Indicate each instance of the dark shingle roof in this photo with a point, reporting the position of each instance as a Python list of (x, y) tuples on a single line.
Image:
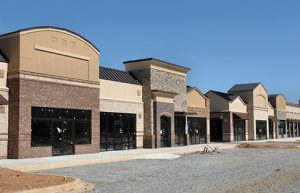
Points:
[(189, 88), (226, 96), (244, 87), (3, 58), (117, 75)]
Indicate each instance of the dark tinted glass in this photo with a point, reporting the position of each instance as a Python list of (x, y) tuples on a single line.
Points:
[(41, 133)]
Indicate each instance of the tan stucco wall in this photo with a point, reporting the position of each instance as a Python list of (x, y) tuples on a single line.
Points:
[(260, 97), (10, 45), (154, 65), (271, 111), (52, 52), (292, 112), (3, 74), (120, 91), (238, 106), (281, 102), (195, 99), (217, 104)]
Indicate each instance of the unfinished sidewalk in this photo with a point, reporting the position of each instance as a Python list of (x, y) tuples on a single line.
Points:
[(34, 164)]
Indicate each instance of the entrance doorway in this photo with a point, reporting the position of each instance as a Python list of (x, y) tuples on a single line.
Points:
[(180, 130), (239, 130), (271, 125), (197, 130), (165, 126), (117, 131), (261, 130), (63, 143), (216, 133)]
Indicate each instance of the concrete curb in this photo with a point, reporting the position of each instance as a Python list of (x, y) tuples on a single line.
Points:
[(72, 163), (77, 186)]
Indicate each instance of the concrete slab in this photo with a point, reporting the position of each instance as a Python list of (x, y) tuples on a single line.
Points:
[(34, 164)]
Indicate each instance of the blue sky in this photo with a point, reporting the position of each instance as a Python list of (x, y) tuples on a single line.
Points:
[(223, 42)]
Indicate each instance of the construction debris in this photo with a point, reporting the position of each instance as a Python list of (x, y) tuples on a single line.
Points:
[(211, 150)]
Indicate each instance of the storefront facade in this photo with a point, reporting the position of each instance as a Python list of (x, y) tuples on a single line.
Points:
[(164, 97), (56, 71), (228, 117), (121, 111), (256, 97), (198, 117)]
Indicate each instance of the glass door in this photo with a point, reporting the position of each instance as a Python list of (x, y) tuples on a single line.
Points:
[(164, 131), (62, 138)]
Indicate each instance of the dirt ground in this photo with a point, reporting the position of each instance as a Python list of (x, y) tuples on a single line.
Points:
[(12, 180), (271, 146)]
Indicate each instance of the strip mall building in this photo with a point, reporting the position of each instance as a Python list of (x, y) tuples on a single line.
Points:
[(56, 100)]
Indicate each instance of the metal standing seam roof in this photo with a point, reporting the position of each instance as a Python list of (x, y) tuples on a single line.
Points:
[(244, 87), (117, 75)]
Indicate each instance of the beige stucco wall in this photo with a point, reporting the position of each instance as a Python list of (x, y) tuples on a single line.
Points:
[(260, 97), (195, 99), (217, 104), (118, 97), (52, 52), (293, 112), (271, 111), (280, 103), (3, 130), (10, 45), (155, 65), (3, 74), (120, 91), (238, 105)]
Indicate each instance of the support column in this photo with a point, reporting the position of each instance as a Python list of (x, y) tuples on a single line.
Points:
[(246, 130), (208, 130), (187, 135), (228, 127), (3, 131)]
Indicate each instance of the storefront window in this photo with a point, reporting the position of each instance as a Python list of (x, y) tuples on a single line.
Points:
[(72, 126), (117, 131)]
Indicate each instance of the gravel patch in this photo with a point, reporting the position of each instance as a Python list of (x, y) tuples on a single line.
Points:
[(234, 170), (161, 156)]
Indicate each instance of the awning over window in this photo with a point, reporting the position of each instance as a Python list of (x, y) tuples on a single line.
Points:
[(244, 116)]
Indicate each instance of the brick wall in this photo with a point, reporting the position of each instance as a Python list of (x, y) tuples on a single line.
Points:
[(26, 93), (166, 109)]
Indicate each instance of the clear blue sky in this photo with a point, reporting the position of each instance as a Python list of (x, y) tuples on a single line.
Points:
[(223, 42)]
